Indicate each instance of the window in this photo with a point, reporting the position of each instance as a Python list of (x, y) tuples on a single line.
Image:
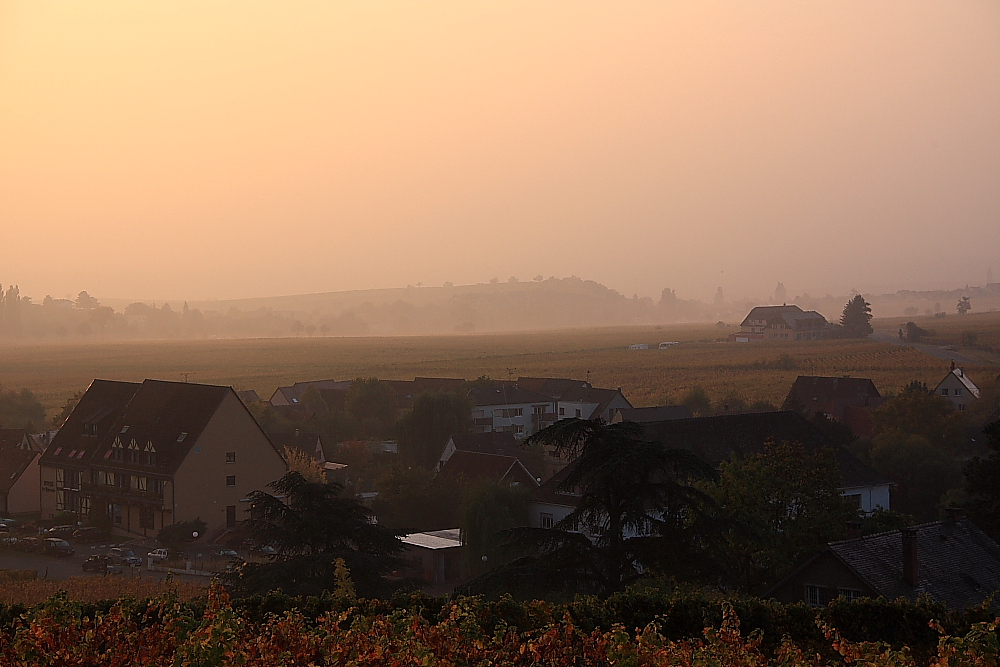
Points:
[(85, 505), (944, 392), (147, 518), (562, 412), (958, 392), (90, 430), (60, 500), (579, 413), (546, 520), (124, 430), (60, 478), (141, 483), (117, 452), (116, 513), (815, 596), (518, 428), (230, 480), (961, 408), (850, 594), (230, 457), (133, 452)]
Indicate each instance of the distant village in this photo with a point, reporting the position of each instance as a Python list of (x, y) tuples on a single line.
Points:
[(136, 458)]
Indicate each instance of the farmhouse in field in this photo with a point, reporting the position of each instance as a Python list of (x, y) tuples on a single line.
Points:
[(957, 388), (154, 453), (952, 561), (781, 323)]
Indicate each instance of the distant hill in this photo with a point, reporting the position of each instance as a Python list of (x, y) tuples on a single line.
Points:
[(487, 307)]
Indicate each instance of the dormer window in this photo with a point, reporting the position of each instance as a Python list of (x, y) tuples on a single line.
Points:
[(90, 430), (150, 452), (181, 437), (117, 451), (133, 452)]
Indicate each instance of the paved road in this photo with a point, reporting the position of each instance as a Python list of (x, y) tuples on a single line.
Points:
[(932, 350), (62, 568)]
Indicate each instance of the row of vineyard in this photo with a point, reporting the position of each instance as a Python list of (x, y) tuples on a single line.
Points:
[(419, 630)]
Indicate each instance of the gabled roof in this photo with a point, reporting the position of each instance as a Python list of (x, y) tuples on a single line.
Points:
[(554, 387), (959, 373), (494, 442), (248, 396), (652, 414), (14, 438), (830, 395), (166, 416), (785, 314), (717, 439), (98, 409), (476, 466), (549, 493), (956, 563), (13, 462), (506, 394)]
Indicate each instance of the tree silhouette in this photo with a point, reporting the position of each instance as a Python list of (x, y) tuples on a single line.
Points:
[(857, 318)]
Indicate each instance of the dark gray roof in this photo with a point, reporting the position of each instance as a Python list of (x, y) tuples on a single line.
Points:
[(554, 387), (655, 413), (956, 563), (154, 413), (717, 439), (830, 395), (506, 394), (494, 442)]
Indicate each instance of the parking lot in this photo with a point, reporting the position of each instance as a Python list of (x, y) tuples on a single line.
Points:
[(53, 567)]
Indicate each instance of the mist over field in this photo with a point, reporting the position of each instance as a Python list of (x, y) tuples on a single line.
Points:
[(169, 151)]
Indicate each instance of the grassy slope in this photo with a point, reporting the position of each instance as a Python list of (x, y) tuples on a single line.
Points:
[(647, 377)]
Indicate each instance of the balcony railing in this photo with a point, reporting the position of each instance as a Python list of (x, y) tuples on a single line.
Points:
[(120, 492)]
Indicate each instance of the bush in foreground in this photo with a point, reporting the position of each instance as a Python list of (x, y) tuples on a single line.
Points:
[(167, 632)]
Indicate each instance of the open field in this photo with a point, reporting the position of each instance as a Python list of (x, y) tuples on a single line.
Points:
[(647, 377)]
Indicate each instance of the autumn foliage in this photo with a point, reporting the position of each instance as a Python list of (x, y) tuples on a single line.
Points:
[(167, 632)]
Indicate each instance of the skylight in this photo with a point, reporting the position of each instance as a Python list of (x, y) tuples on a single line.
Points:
[(181, 437)]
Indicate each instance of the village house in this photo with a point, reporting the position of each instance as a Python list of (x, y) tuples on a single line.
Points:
[(720, 438), (19, 474), (155, 453), (957, 388), (951, 561), (845, 399), (508, 407), (781, 323), (577, 398)]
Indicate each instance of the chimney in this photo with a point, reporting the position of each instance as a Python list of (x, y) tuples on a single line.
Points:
[(952, 364), (910, 565)]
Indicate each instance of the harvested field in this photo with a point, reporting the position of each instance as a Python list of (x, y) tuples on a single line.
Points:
[(759, 371)]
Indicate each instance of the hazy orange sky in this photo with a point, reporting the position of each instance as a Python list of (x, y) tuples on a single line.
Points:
[(190, 149)]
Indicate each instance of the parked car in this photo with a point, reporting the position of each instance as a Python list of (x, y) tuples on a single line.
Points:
[(4, 528), (225, 554), (56, 546), (29, 544), (123, 556), (60, 531), (159, 555), (101, 564), (89, 534)]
